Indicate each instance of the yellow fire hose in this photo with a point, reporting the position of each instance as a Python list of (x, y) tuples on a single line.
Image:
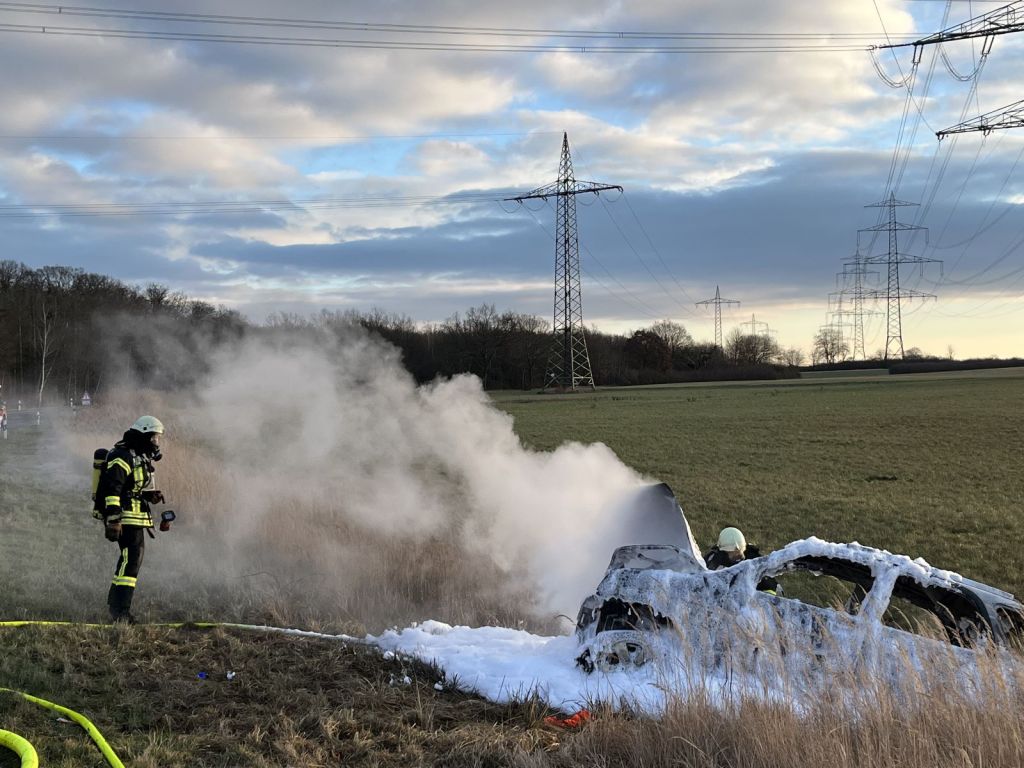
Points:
[(83, 721), (20, 747), (25, 750)]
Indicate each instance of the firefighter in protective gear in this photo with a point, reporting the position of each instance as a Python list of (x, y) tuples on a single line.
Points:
[(123, 496), (732, 548)]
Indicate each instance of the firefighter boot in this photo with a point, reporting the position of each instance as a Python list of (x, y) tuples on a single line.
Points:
[(119, 600)]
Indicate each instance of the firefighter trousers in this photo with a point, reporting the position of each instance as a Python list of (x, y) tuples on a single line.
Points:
[(132, 542)]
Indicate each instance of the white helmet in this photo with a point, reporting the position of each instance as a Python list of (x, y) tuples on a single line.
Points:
[(147, 424), (731, 540)]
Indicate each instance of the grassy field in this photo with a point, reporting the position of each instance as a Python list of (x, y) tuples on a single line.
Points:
[(928, 466), (924, 465)]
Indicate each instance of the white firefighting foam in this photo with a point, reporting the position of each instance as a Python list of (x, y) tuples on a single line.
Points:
[(507, 664)]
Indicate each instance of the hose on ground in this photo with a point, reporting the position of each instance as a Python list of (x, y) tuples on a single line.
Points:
[(92, 730), (20, 747), (27, 752)]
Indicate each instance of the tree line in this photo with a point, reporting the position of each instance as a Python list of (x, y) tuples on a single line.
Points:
[(64, 331)]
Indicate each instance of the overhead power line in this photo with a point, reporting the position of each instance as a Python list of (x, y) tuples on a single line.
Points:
[(429, 37), (268, 137), (433, 29), (626, 298), (409, 45), (45, 210)]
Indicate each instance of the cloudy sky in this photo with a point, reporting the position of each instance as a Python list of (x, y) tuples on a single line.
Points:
[(182, 143)]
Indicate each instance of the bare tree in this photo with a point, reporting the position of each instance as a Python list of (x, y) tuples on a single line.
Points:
[(794, 357), (44, 332), (829, 346), (751, 348), (673, 334)]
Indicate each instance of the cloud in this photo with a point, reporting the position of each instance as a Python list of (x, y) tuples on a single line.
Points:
[(742, 169)]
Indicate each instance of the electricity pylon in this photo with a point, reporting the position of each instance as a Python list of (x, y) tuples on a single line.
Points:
[(569, 362), (893, 293), (855, 267), (757, 327), (1011, 116), (718, 301), (837, 325), (1002, 21)]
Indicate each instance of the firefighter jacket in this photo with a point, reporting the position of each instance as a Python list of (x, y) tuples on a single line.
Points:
[(717, 559), (119, 493)]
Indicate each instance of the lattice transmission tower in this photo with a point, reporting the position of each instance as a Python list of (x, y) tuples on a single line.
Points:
[(717, 302), (842, 316), (853, 286), (569, 362), (1006, 20), (757, 327), (893, 293)]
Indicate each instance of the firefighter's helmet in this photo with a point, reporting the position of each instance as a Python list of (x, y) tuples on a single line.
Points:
[(731, 540), (148, 424)]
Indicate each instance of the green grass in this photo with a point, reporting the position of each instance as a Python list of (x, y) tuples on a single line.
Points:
[(929, 466)]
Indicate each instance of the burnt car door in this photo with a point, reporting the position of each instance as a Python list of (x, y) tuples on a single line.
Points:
[(926, 623), (818, 615)]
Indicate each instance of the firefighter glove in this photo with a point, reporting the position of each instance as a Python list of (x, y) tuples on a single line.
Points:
[(153, 497), (112, 530)]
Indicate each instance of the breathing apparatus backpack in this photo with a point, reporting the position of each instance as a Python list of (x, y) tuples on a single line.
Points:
[(99, 459)]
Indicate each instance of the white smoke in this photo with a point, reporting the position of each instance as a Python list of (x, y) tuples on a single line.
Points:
[(341, 426)]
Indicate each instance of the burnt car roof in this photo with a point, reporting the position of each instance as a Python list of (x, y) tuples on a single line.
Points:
[(657, 513), (647, 586)]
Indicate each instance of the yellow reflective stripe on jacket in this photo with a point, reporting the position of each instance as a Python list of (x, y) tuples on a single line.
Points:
[(116, 462), (128, 506), (141, 519)]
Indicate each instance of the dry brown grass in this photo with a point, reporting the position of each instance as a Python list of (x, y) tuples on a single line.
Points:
[(309, 702), (292, 702)]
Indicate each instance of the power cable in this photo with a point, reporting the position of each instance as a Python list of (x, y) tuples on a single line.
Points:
[(392, 45), (960, 192), (435, 29), (949, 66), (911, 78), (581, 163), (985, 224), (268, 137), (657, 253), (673, 298), (46, 210), (972, 280), (644, 307)]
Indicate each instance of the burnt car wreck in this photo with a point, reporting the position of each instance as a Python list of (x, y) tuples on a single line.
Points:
[(837, 604)]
